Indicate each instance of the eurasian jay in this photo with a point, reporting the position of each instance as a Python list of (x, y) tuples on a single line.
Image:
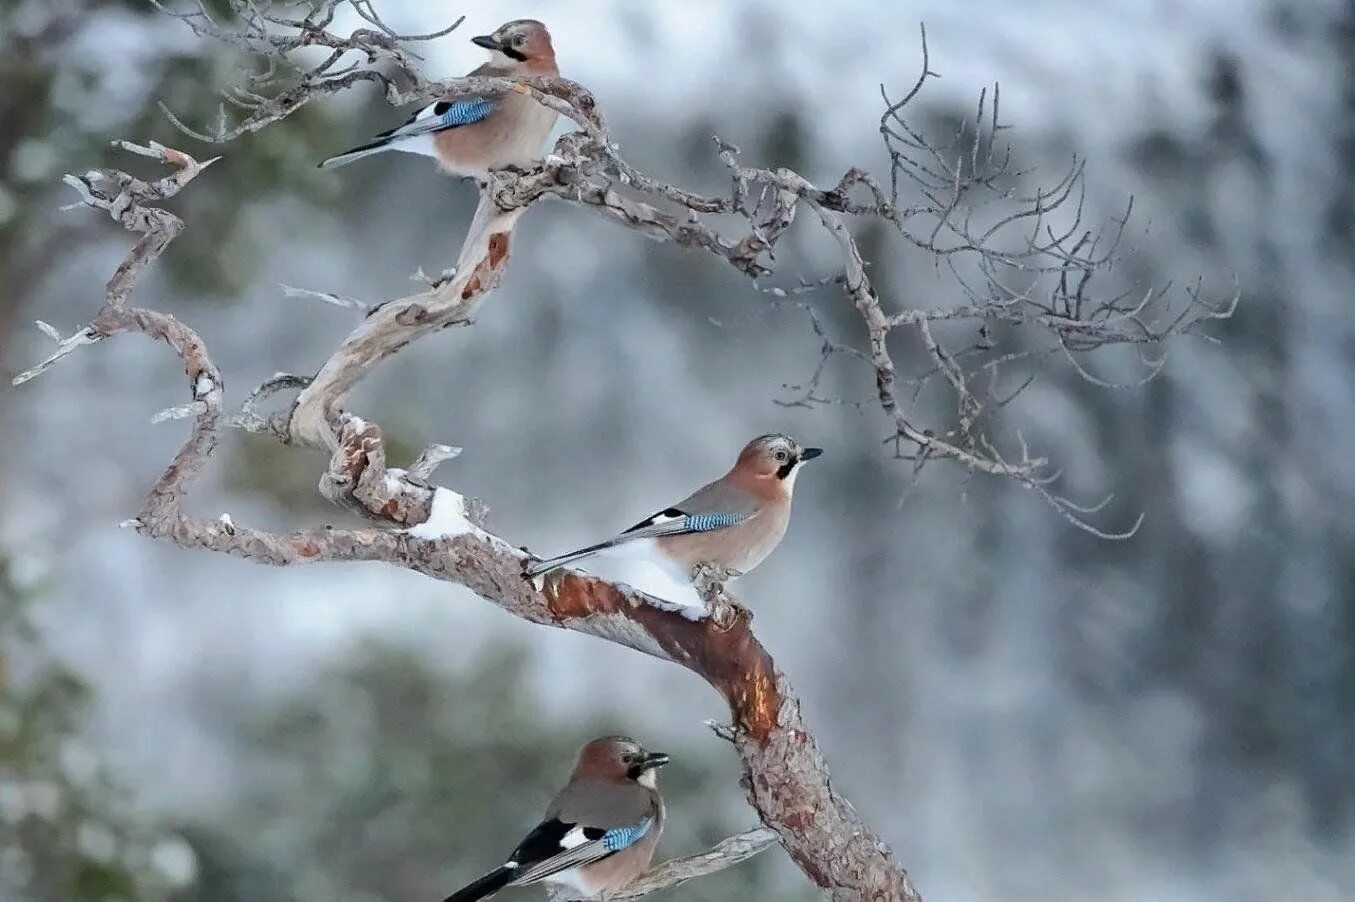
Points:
[(732, 524), (599, 833), (472, 135)]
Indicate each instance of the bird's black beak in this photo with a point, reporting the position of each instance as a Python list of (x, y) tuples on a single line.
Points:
[(810, 453), (486, 41), (653, 760)]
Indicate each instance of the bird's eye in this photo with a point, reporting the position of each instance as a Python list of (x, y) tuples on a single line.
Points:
[(519, 40), (781, 455)]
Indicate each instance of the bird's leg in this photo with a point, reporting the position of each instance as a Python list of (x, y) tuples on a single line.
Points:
[(721, 607)]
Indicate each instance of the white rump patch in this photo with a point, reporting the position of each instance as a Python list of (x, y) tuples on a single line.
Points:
[(573, 839), (640, 565), (419, 144), (571, 878)]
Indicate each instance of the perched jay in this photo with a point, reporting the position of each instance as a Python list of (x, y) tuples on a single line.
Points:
[(600, 831), (731, 524), (472, 135)]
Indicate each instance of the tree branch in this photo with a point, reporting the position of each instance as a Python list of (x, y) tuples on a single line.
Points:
[(785, 776), (677, 871), (1022, 261), (1030, 265)]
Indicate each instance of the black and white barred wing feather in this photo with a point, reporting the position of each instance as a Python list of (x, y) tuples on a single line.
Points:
[(582, 846), (551, 849), (714, 507), (419, 128)]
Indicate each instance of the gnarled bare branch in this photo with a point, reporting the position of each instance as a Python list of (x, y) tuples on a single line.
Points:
[(1024, 259), (443, 536)]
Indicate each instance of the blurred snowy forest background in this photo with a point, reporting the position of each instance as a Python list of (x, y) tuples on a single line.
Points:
[(1022, 710)]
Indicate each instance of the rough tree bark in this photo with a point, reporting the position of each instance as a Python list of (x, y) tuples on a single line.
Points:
[(437, 532)]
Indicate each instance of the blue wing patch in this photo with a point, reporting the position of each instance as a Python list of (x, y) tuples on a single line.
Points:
[(709, 522), (618, 838), (469, 110)]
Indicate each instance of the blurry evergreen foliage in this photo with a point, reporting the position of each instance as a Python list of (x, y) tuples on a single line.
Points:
[(61, 108), (66, 831), (387, 779), (59, 111)]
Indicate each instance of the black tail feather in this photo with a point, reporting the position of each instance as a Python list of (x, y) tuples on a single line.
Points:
[(536, 568), (354, 153), (487, 885)]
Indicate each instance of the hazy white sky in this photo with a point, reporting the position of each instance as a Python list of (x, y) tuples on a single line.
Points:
[(1097, 61)]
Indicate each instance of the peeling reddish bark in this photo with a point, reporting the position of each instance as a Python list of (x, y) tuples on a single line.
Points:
[(785, 776), (731, 660)]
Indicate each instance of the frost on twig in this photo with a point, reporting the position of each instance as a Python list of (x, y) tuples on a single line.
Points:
[(250, 420), (289, 76), (722, 730), (430, 458), (129, 201), (179, 412), (64, 346), (49, 330), (338, 300)]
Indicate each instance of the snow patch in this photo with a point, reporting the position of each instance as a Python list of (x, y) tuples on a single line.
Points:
[(395, 480), (688, 604), (446, 515)]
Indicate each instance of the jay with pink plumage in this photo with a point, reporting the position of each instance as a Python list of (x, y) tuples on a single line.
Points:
[(599, 833), (731, 524), (473, 135)]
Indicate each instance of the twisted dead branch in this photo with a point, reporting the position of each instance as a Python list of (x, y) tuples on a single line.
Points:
[(1025, 261), (443, 537)]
